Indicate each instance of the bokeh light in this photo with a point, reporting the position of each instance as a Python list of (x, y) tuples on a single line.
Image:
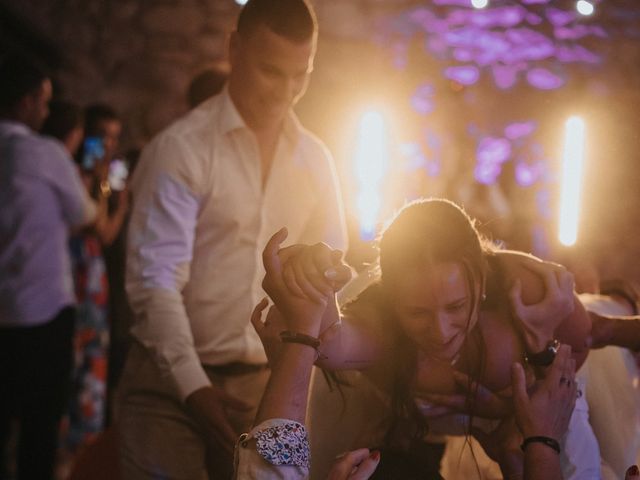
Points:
[(371, 163), (572, 167), (584, 7), (479, 3)]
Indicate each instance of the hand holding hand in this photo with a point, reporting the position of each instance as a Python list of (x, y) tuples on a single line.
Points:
[(302, 314), (315, 271)]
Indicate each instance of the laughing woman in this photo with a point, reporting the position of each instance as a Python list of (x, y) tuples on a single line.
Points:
[(448, 313)]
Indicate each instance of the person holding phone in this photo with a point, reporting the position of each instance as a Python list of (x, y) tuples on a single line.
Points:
[(87, 407)]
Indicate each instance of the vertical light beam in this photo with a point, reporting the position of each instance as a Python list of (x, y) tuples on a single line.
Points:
[(572, 167), (371, 160)]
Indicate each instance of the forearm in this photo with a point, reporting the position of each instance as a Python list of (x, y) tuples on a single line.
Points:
[(161, 326), (541, 463), (286, 393), (625, 332), (511, 465)]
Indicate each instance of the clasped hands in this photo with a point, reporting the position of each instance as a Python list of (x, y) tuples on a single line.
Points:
[(302, 281)]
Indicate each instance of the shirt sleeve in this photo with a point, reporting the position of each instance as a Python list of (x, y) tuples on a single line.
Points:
[(78, 207), (160, 249), (275, 449)]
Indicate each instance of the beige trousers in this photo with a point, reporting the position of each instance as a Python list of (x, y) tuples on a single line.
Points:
[(158, 437)]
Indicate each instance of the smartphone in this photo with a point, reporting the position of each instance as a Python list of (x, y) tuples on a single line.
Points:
[(118, 173), (92, 152)]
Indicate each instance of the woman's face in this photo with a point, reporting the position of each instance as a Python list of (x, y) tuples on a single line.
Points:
[(433, 304)]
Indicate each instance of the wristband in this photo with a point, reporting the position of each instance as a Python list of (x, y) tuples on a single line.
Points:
[(289, 336), (548, 441)]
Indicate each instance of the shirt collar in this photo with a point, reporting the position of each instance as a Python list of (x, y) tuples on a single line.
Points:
[(232, 120)]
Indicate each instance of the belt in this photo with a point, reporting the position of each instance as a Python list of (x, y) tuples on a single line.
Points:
[(236, 368)]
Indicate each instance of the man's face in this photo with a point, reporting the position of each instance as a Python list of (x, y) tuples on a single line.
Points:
[(38, 105), (269, 73)]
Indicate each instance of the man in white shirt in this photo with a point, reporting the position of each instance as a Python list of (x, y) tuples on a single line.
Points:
[(41, 199), (209, 191)]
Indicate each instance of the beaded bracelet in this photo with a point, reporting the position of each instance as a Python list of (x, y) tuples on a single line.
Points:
[(548, 441)]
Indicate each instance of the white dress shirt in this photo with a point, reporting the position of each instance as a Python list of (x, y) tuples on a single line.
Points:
[(41, 198), (200, 221)]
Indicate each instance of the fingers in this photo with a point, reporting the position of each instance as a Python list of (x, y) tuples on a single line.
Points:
[(515, 295), (367, 467), (355, 465), (311, 281), (519, 385), (256, 315), (338, 276), (290, 281), (270, 258)]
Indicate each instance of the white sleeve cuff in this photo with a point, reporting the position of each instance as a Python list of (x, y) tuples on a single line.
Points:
[(189, 377)]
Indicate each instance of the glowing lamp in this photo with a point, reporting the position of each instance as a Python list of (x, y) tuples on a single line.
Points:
[(479, 3), (572, 167), (241, 2), (371, 161), (584, 7)]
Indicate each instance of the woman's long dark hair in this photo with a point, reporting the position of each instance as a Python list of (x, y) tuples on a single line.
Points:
[(426, 232)]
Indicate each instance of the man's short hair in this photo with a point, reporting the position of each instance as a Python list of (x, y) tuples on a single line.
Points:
[(293, 19), (19, 77), (96, 114)]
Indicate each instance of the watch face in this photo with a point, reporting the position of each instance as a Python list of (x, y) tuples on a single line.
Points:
[(546, 356)]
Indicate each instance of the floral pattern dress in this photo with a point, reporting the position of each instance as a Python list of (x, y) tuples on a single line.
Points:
[(88, 388)]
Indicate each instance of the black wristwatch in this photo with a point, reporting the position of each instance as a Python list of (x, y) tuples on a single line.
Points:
[(546, 356)]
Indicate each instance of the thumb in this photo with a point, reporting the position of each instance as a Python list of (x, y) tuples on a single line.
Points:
[(515, 295), (270, 257), (367, 467)]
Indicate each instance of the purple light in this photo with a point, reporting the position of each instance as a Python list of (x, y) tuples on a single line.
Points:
[(466, 75), (487, 173), (526, 175), (543, 79), (534, 2), (463, 54), (422, 99), (560, 18), (504, 77), (516, 130), (505, 17), (533, 19), (576, 53), (493, 150)]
